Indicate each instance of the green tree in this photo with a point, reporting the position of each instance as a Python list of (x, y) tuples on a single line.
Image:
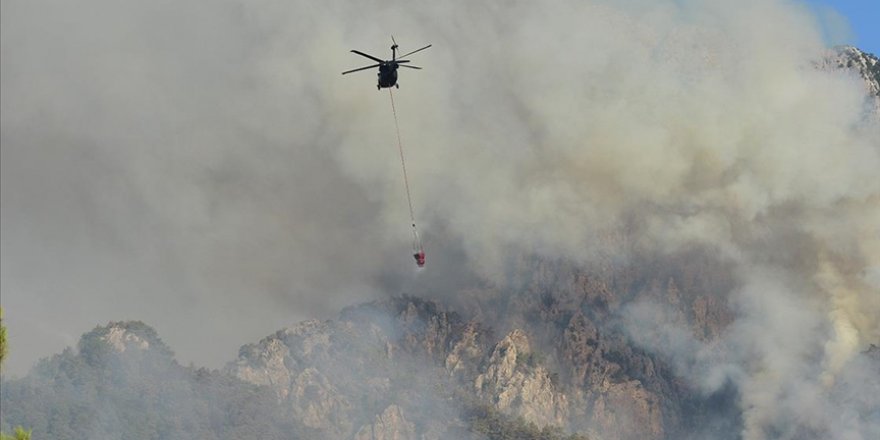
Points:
[(20, 434), (2, 339)]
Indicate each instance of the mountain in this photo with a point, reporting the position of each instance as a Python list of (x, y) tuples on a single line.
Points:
[(122, 382), (547, 356), (399, 368), (410, 367), (865, 65), (402, 368)]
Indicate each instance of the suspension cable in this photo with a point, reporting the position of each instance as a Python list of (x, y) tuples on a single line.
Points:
[(419, 250), (412, 216)]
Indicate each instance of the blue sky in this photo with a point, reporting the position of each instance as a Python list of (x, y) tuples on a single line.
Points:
[(861, 16)]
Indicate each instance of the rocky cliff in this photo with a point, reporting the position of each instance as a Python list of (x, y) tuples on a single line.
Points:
[(861, 64), (404, 368), (409, 368)]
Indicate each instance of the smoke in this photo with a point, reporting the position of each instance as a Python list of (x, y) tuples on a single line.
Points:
[(204, 168), (174, 163)]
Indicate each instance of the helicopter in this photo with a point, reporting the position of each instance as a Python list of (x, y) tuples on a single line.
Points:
[(387, 68)]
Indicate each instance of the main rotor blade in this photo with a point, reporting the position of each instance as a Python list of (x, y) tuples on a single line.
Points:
[(362, 68), (401, 61), (368, 56), (411, 67), (404, 56)]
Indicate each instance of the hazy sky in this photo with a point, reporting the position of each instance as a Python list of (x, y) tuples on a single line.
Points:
[(851, 22), (174, 162), (204, 167)]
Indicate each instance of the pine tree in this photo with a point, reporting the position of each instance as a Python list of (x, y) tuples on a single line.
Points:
[(2, 339), (20, 433)]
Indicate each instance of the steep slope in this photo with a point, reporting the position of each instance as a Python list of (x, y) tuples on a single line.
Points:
[(387, 367), (403, 368), (863, 64), (123, 383), (407, 365)]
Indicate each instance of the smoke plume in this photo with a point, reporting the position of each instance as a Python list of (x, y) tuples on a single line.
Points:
[(205, 168)]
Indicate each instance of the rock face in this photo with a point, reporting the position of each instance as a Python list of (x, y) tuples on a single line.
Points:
[(272, 363), (390, 425), (356, 377), (120, 338), (318, 404), (628, 411), (516, 383), (405, 368), (285, 362), (863, 64), (124, 383), (465, 354), (130, 346)]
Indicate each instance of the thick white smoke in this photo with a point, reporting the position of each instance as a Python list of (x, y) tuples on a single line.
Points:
[(690, 123), (213, 151)]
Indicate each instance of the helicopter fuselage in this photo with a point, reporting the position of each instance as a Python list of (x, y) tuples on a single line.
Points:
[(387, 75), (387, 68)]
